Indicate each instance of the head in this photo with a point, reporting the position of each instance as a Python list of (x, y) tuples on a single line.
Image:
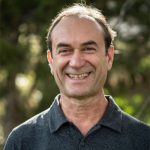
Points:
[(83, 10), (80, 41)]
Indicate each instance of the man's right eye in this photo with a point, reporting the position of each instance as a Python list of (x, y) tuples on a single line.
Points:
[(64, 51)]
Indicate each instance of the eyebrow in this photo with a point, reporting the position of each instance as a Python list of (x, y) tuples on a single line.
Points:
[(63, 45), (91, 42)]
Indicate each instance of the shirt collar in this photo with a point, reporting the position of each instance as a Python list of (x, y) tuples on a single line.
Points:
[(57, 117), (113, 116)]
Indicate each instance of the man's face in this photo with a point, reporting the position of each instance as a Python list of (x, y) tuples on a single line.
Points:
[(80, 62)]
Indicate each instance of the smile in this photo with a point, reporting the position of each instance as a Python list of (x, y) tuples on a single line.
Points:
[(78, 76)]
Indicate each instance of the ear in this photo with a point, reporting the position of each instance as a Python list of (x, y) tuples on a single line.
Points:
[(110, 57), (50, 60)]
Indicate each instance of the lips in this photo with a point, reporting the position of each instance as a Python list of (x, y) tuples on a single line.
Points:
[(78, 76)]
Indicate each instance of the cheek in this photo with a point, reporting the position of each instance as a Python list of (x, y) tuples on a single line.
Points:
[(59, 66), (99, 61), (101, 65)]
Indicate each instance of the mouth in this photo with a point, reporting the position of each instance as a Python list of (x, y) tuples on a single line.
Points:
[(78, 76)]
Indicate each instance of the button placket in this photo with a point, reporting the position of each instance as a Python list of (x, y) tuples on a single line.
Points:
[(82, 145)]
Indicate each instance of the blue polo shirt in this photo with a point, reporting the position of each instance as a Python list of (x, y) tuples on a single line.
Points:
[(50, 130)]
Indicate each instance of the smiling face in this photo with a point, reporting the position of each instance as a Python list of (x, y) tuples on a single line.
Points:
[(80, 63)]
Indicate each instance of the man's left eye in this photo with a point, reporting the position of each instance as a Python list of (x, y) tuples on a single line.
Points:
[(89, 49)]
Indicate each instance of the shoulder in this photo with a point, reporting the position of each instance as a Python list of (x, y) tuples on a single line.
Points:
[(38, 120), (137, 131), (131, 123), (30, 129)]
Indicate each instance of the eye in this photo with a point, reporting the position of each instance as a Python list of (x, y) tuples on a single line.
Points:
[(64, 51), (89, 49)]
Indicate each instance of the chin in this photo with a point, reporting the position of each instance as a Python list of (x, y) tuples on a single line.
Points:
[(79, 94)]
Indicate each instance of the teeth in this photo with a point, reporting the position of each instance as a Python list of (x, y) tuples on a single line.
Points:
[(78, 76)]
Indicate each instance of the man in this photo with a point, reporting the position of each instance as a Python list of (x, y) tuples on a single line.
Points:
[(81, 117)]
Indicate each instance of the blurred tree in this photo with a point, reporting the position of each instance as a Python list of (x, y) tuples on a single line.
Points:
[(133, 63), (26, 84)]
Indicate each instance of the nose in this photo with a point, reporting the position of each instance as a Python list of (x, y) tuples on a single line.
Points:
[(77, 60)]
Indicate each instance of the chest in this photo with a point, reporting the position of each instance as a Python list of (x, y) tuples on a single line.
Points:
[(71, 139)]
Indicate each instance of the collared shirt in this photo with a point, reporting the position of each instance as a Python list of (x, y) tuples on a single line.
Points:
[(50, 130)]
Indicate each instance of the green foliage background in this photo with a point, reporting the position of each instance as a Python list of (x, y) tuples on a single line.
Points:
[(26, 85)]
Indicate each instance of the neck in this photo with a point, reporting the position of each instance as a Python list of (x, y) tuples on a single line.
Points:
[(85, 113)]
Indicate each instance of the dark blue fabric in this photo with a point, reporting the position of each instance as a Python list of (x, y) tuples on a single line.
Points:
[(50, 130)]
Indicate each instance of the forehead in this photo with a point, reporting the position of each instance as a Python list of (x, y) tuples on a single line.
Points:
[(77, 28)]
